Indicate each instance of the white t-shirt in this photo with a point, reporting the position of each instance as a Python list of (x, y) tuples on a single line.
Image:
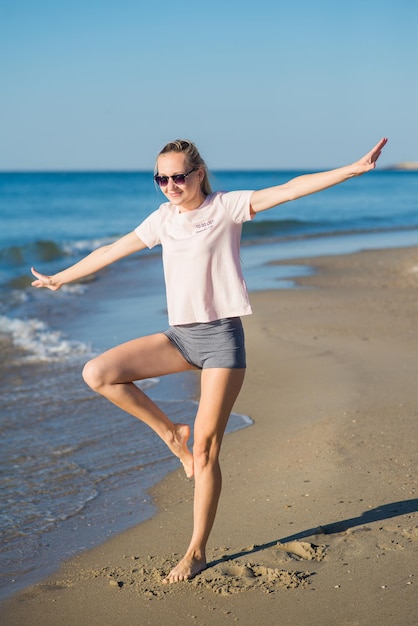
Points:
[(202, 268)]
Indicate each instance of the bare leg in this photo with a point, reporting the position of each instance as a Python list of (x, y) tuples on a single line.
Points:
[(220, 388), (112, 374)]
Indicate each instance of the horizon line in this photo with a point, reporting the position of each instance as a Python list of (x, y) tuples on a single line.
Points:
[(409, 166)]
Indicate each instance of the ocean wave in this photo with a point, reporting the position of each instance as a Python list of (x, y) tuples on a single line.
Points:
[(85, 246), (18, 255), (37, 342), (257, 231), (262, 228), (47, 251)]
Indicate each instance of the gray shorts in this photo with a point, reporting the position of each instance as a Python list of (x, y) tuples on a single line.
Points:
[(212, 344)]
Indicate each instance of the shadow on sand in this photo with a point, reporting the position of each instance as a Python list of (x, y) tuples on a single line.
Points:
[(386, 511)]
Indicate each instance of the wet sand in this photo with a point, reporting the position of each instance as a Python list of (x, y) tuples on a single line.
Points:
[(318, 520)]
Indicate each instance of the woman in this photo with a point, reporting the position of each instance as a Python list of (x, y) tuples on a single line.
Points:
[(206, 295)]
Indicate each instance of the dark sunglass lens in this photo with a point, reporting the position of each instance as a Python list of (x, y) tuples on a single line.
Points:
[(162, 181), (179, 179)]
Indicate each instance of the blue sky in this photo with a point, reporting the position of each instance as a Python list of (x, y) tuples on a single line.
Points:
[(103, 84)]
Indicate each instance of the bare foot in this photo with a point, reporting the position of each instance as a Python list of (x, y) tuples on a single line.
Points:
[(178, 446), (187, 569)]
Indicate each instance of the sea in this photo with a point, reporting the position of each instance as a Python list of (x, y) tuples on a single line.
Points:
[(75, 470)]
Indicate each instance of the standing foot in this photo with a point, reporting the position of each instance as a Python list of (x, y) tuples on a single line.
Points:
[(178, 446), (187, 569)]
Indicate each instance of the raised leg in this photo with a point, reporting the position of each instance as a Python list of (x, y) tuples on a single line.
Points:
[(112, 374), (220, 388)]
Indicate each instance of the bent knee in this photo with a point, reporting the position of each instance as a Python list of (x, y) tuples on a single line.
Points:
[(93, 375)]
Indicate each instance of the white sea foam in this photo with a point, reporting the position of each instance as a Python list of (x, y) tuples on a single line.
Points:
[(75, 288), (84, 246), (39, 342)]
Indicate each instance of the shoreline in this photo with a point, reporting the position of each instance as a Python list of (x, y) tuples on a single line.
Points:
[(332, 475)]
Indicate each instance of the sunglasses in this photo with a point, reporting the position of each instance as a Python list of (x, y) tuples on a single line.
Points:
[(178, 179)]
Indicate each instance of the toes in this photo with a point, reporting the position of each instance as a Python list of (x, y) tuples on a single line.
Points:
[(175, 578)]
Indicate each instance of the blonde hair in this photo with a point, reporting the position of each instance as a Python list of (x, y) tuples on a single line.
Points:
[(193, 157)]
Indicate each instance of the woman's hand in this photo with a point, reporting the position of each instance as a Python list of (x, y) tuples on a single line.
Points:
[(368, 162), (44, 281)]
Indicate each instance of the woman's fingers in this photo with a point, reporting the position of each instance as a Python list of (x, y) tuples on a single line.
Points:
[(42, 280)]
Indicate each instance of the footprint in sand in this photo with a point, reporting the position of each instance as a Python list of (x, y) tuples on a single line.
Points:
[(234, 577), (303, 549)]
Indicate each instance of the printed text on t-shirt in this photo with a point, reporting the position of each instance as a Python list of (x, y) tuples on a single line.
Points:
[(204, 226)]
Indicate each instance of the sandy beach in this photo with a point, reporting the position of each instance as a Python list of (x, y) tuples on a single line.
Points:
[(318, 519)]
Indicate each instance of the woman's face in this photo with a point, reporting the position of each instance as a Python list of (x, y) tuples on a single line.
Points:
[(188, 195)]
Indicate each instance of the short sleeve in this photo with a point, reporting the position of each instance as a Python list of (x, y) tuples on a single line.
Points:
[(238, 205), (148, 231)]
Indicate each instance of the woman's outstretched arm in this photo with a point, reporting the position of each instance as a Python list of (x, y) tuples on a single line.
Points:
[(312, 183), (95, 261)]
